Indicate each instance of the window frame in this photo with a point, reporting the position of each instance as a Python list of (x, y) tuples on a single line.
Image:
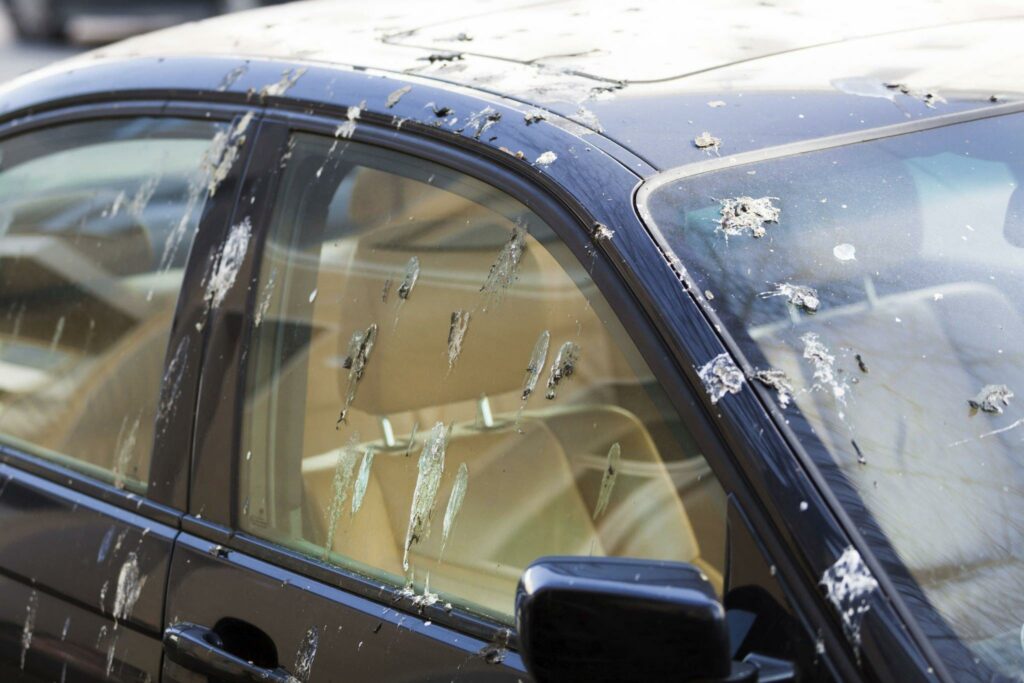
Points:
[(213, 515), (165, 499)]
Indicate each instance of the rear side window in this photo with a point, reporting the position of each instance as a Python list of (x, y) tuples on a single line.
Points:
[(437, 393), (96, 220)]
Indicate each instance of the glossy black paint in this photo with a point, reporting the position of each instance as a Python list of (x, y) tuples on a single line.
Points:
[(357, 639), (591, 181), (605, 619), (66, 551), (70, 642), (203, 651)]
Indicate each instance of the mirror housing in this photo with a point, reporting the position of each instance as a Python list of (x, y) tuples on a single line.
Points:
[(618, 619)]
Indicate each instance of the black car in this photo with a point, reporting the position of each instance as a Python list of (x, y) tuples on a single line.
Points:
[(621, 343)]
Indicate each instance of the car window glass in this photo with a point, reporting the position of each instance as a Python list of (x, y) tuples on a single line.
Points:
[(437, 394), (885, 296), (96, 219)]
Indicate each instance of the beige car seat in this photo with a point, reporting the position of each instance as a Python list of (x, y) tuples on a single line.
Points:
[(526, 495)]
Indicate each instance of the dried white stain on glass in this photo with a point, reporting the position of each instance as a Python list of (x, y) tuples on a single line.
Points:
[(824, 363), (129, 587), (562, 367), (538, 358), (505, 269), (848, 586), (428, 481), (779, 381), (845, 252), (344, 466), (458, 495), (994, 432), (457, 328), (227, 263), (265, 295), (546, 159), (29, 627), (395, 96), (362, 480), (412, 274), (992, 399), (707, 142), (720, 377), (305, 655), (802, 297), (348, 126), (746, 216), (409, 279), (289, 77), (124, 449), (359, 348), (608, 479)]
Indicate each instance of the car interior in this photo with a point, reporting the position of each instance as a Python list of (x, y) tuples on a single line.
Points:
[(535, 467)]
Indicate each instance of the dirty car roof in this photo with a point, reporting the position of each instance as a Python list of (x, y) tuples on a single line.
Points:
[(654, 75)]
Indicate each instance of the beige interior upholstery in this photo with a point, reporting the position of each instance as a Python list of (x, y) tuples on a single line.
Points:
[(533, 486)]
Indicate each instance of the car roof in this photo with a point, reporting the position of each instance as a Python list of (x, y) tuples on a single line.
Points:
[(652, 76)]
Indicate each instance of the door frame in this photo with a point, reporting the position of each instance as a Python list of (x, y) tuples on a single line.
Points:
[(213, 515), (166, 496)]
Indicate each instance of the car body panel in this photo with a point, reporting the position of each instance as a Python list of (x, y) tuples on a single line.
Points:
[(84, 583), (368, 640), (593, 180), (785, 73)]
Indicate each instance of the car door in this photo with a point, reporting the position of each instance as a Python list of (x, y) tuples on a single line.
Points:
[(99, 209), (413, 388)]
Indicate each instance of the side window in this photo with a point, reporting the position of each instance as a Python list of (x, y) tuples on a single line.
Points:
[(437, 394), (96, 220)]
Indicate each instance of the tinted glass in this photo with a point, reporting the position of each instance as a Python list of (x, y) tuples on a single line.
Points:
[(96, 220), (889, 293), (437, 393)]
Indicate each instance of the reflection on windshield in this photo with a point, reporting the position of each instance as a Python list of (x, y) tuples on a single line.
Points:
[(887, 300)]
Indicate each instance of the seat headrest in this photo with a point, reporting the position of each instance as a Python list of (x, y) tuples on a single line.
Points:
[(456, 241)]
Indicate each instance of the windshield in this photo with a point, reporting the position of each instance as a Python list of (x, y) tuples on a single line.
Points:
[(885, 280)]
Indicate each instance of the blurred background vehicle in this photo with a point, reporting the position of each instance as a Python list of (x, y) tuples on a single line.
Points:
[(92, 22), (34, 33)]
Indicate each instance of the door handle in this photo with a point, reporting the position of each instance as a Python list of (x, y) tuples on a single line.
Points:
[(200, 649)]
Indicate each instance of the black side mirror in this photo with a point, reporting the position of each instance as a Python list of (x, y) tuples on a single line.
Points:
[(602, 619)]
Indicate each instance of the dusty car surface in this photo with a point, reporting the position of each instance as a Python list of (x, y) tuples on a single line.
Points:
[(420, 342)]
